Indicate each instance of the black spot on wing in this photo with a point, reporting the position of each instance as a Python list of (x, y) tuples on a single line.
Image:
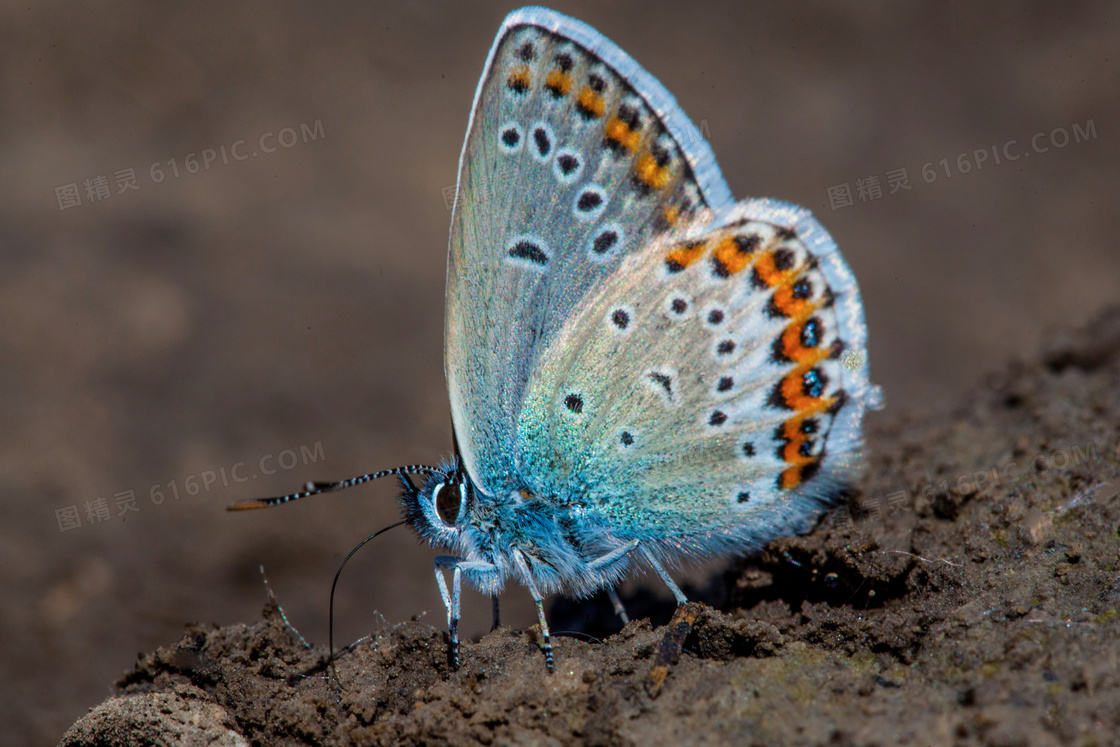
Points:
[(568, 164), (542, 141), (526, 52), (588, 201), (665, 381), (604, 242), (527, 250)]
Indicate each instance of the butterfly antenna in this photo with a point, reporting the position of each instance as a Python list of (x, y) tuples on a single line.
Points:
[(315, 488), (330, 627)]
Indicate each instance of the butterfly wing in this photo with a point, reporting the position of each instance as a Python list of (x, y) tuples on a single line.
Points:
[(708, 396), (575, 158)]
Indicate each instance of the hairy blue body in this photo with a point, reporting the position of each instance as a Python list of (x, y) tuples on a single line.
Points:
[(563, 548)]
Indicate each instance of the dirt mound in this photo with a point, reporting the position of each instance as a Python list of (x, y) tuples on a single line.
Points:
[(968, 594)]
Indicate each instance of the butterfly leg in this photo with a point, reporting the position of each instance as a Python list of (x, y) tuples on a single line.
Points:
[(451, 601), (497, 613), (523, 566), (657, 567), (607, 559), (612, 556), (617, 604)]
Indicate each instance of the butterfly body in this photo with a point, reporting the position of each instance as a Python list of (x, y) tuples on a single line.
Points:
[(557, 538)]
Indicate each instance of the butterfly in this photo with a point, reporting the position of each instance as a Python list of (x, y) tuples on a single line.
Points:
[(641, 369)]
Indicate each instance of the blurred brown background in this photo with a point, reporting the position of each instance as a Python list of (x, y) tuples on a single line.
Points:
[(292, 302)]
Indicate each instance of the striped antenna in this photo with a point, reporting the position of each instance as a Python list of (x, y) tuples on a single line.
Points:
[(314, 488)]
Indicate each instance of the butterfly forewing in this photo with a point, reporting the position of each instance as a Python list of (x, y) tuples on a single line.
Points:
[(575, 159)]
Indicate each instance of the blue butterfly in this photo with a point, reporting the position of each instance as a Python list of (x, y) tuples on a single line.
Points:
[(641, 370)]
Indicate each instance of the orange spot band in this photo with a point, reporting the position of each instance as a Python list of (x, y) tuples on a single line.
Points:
[(728, 254), (652, 175), (791, 341), (558, 82), (590, 102), (619, 132), (769, 273), (685, 254), (520, 78), (793, 476), (789, 304), (793, 388)]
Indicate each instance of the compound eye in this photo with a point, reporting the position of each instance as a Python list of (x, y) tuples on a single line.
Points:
[(447, 499)]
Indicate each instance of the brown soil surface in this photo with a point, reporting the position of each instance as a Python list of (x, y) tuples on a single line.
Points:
[(969, 594), (158, 341)]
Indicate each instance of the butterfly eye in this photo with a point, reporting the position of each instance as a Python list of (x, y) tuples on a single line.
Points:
[(448, 500)]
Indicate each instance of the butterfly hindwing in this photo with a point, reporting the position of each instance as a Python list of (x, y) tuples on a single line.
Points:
[(708, 396), (575, 159)]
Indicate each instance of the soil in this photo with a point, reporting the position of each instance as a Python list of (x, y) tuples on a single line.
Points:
[(967, 594), (232, 330)]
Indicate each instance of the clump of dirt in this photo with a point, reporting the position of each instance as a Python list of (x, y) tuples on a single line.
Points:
[(967, 594)]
